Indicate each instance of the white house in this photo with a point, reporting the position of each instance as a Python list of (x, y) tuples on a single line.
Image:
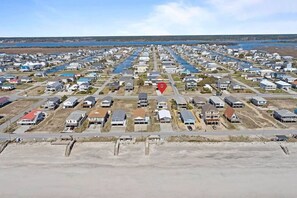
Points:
[(267, 85), (283, 85), (70, 102)]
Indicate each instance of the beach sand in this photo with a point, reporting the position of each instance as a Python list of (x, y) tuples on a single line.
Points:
[(171, 170)]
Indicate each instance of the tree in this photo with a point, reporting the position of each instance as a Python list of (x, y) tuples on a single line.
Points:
[(241, 56), (140, 82), (64, 98)]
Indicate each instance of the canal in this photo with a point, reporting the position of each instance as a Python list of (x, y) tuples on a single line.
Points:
[(128, 62), (182, 61)]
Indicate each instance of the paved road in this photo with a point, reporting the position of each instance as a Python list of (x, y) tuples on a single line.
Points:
[(175, 90), (104, 85), (155, 60), (44, 136)]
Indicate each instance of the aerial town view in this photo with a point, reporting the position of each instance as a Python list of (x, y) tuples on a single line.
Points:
[(176, 102)]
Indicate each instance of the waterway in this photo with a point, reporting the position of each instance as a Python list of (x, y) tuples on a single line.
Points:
[(127, 63), (247, 45), (182, 61)]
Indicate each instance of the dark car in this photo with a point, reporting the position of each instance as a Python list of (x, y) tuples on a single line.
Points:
[(190, 128)]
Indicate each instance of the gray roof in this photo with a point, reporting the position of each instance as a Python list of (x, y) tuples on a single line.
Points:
[(90, 98), (161, 99), (187, 115), (72, 99), (285, 113), (180, 100), (208, 107), (259, 98), (107, 98), (75, 115), (142, 96), (198, 99), (232, 99), (53, 99), (216, 99), (118, 115)]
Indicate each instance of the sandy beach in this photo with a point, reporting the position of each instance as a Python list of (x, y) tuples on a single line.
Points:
[(171, 170)]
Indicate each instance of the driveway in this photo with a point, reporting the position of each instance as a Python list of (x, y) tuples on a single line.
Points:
[(165, 127), (93, 129), (117, 129)]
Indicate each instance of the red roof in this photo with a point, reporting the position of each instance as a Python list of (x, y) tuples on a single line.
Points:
[(31, 115), (229, 112)]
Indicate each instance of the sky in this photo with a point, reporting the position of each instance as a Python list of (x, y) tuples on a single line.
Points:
[(39, 18)]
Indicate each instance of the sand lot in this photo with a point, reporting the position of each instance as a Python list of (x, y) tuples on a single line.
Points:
[(171, 170)]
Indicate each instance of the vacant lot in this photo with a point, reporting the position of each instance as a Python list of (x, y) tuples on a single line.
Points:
[(252, 118), (289, 104), (16, 107), (37, 91), (55, 122), (150, 90)]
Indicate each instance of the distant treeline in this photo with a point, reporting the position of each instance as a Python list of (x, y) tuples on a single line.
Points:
[(280, 37)]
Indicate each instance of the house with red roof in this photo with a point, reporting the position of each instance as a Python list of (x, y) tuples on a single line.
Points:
[(230, 115), (32, 118)]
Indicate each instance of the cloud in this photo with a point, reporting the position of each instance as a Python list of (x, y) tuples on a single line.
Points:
[(216, 17), (172, 17)]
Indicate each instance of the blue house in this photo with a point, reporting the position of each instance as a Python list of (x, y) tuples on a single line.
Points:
[(83, 80), (25, 68)]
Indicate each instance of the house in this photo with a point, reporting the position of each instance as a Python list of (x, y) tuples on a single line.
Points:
[(52, 103), (32, 118), (216, 101), (75, 119), (267, 85), (54, 87), (114, 86), (25, 68), (4, 101), (15, 81), (40, 74), (233, 102), (210, 114), (106, 101), (198, 101), (129, 84), (98, 116), (84, 87), (285, 115), (236, 86), (3, 68), (181, 102), (7, 86), (89, 102), (140, 117), (84, 80), (26, 79), (70, 102), (164, 116), (74, 66), (128, 73), (118, 118), (142, 100), (190, 84), (258, 101), (283, 85), (162, 102), (230, 115), (187, 117), (223, 83)]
